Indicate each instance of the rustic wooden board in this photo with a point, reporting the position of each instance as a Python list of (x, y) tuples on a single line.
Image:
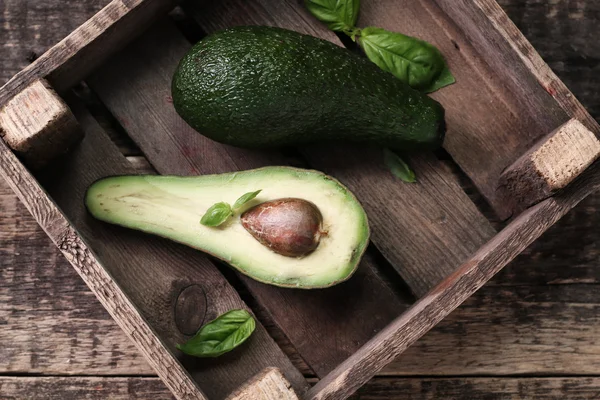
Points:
[(139, 264), (136, 87), (480, 388), (28, 28), (423, 230), (70, 60), (501, 44), (508, 109), (444, 298), (112, 297)]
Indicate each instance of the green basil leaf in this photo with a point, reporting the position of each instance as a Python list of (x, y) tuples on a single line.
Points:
[(411, 60), (445, 79), (339, 15), (245, 198), (398, 167), (221, 335), (216, 214)]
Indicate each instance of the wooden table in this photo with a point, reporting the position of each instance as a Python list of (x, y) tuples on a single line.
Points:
[(532, 332)]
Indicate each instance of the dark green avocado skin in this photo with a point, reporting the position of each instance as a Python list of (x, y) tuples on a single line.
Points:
[(264, 87)]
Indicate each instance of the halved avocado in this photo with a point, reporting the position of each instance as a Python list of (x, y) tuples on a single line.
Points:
[(172, 207)]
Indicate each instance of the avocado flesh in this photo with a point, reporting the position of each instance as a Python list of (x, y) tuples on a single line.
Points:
[(172, 207), (262, 87)]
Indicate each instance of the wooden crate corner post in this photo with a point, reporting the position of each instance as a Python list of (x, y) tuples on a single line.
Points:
[(550, 165), (38, 125), (269, 384)]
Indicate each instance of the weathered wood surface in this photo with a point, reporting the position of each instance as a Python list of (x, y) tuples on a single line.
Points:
[(517, 99), (69, 61), (38, 125), (549, 166), (269, 384), (95, 275), (565, 34), (486, 388), (449, 294)]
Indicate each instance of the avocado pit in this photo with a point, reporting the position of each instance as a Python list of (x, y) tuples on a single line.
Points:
[(291, 227)]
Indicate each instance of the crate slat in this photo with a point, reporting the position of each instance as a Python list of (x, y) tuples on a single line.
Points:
[(444, 298), (100, 281), (71, 59), (326, 326), (156, 272), (513, 97), (425, 230)]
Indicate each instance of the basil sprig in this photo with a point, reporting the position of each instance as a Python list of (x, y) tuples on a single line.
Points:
[(398, 167), (413, 61), (339, 15), (245, 198), (221, 335), (216, 214), (220, 212)]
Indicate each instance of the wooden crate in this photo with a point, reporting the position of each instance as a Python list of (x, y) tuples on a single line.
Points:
[(514, 131)]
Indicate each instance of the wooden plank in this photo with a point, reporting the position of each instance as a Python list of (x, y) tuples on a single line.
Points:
[(89, 45), (125, 388), (481, 388), (98, 279), (90, 388), (270, 384), (136, 88), (424, 230), (155, 272), (550, 165), (564, 34), (506, 33), (38, 125), (512, 330), (28, 28), (445, 297), (507, 108), (500, 43), (51, 322)]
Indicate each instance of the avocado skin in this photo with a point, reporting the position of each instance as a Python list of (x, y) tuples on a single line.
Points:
[(264, 87)]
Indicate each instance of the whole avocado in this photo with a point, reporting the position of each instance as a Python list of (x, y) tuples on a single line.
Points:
[(264, 87)]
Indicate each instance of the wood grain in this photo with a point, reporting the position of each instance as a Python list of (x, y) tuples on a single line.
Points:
[(269, 384), (480, 388), (89, 45), (154, 272), (564, 32), (38, 125), (508, 110), (136, 88), (29, 28), (84, 388), (98, 279), (423, 230), (444, 298), (550, 165)]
